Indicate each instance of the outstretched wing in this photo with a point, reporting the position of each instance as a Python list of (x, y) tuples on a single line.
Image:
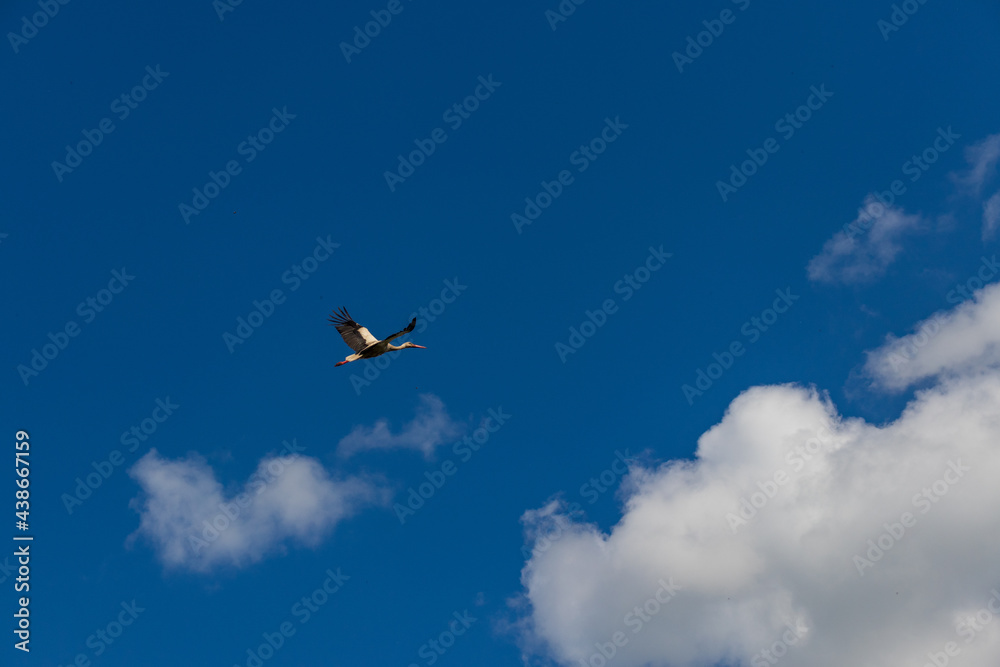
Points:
[(407, 330), (356, 336)]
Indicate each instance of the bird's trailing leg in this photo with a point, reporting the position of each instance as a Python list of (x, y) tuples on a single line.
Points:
[(348, 359)]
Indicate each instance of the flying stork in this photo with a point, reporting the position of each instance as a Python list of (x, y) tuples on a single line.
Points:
[(364, 344)]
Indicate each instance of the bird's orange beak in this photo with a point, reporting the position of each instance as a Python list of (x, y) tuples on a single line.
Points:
[(420, 346)]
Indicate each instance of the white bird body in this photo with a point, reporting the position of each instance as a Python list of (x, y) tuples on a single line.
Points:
[(364, 344)]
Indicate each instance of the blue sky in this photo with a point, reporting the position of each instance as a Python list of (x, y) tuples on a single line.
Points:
[(640, 266)]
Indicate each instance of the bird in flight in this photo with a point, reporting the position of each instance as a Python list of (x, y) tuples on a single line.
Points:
[(364, 344)]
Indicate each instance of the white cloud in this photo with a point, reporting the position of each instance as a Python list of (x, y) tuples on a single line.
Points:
[(991, 216), (193, 524), (787, 580), (963, 341), (430, 428), (863, 252), (982, 157)]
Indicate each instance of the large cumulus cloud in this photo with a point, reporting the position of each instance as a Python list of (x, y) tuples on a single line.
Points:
[(797, 536)]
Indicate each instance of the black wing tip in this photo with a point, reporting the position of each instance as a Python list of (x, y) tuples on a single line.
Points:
[(341, 316)]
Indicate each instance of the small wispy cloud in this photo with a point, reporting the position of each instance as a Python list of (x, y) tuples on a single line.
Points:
[(965, 340), (982, 158), (991, 216), (193, 524), (863, 251), (429, 428)]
